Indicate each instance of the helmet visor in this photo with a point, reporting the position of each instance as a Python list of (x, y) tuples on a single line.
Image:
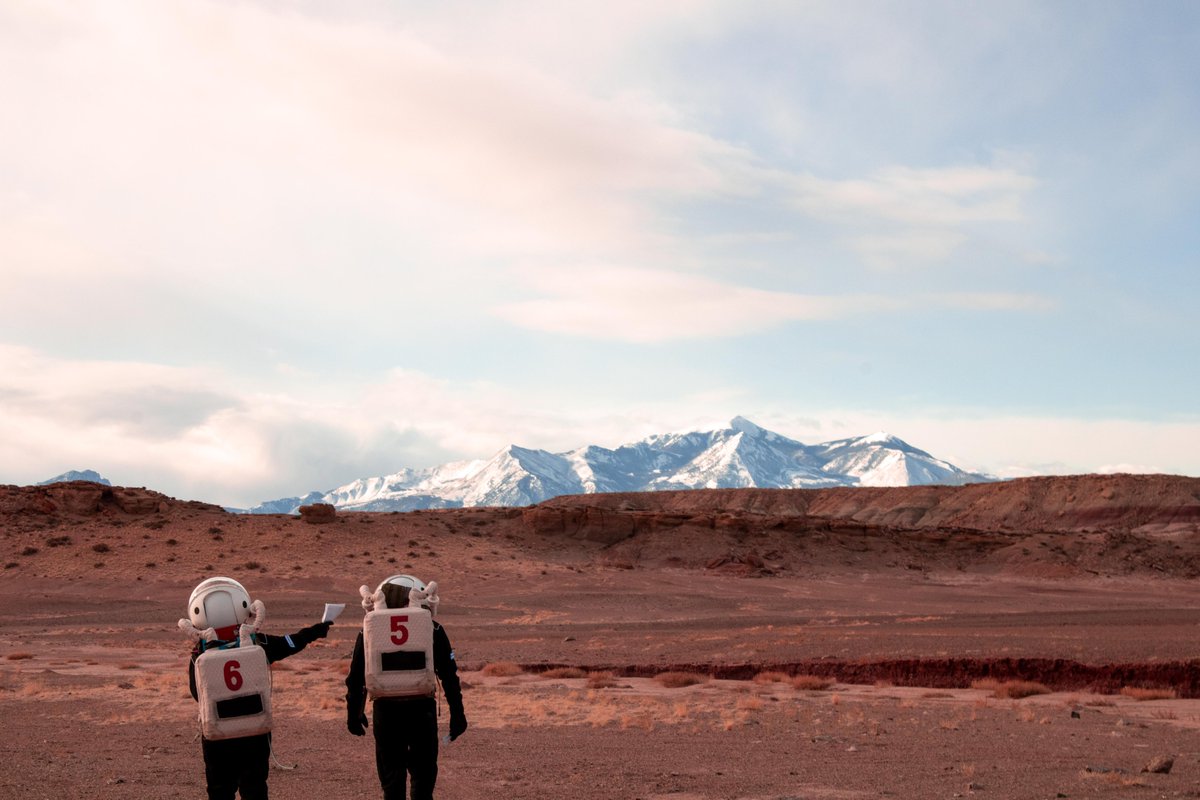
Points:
[(220, 611)]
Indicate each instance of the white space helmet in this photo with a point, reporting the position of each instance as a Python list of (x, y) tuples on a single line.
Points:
[(219, 603), (409, 584)]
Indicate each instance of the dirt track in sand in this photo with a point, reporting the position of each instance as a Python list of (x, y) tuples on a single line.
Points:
[(92, 669)]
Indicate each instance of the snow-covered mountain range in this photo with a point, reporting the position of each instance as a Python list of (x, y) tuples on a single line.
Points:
[(741, 455)]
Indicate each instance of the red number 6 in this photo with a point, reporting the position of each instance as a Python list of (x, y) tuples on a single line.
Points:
[(398, 627), (233, 678)]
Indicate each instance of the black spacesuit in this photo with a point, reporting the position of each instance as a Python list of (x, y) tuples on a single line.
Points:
[(222, 619), (406, 740), (232, 765)]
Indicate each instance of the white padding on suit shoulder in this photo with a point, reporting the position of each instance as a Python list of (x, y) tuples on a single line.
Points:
[(258, 615), (194, 633)]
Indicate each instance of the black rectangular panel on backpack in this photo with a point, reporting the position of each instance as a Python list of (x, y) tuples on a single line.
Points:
[(402, 660), (242, 706)]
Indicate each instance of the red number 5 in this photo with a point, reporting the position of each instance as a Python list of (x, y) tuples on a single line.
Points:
[(398, 627), (233, 678)]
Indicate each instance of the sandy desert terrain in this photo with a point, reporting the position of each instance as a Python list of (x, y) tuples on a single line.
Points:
[(832, 644)]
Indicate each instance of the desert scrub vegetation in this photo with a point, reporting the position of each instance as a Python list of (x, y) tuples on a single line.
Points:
[(563, 672), (811, 683), (1012, 690), (750, 704), (601, 680), (772, 677), (502, 669), (1111, 777), (679, 680), (1141, 693)]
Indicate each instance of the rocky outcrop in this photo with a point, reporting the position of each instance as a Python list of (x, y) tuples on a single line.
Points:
[(1159, 764), (318, 513), (1043, 527), (82, 499), (587, 523), (1077, 503), (739, 563)]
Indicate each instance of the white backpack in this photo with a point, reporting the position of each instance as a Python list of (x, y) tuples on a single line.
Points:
[(398, 647), (234, 690)]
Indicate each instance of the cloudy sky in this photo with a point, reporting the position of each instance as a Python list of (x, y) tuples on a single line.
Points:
[(251, 249)]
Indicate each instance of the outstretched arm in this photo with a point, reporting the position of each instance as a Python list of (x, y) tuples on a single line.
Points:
[(280, 647)]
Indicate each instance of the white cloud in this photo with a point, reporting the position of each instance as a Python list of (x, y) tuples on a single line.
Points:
[(923, 247), (39, 247), (991, 301), (211, 114), (237, 162), (200, 152), (945, 196), (1009, 445), (903, 217), (242, 122), (655, 306), (204, 434)]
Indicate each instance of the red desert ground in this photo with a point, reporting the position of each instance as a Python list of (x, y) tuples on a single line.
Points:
[(1036, 638)]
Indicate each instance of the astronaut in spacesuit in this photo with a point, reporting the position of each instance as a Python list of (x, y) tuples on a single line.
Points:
[(398, 659), (230, 676)]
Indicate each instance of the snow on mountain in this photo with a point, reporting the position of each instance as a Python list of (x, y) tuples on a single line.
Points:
[(742, 455), (883, 460), (518, 475), (77, 475), (409, 489)]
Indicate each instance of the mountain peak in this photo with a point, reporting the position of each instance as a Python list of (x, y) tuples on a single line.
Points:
[(744, 425), (879, 437)]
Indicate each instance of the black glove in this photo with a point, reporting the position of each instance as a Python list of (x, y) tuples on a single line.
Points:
[(320, 630), (357, 724), (458, 724)]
